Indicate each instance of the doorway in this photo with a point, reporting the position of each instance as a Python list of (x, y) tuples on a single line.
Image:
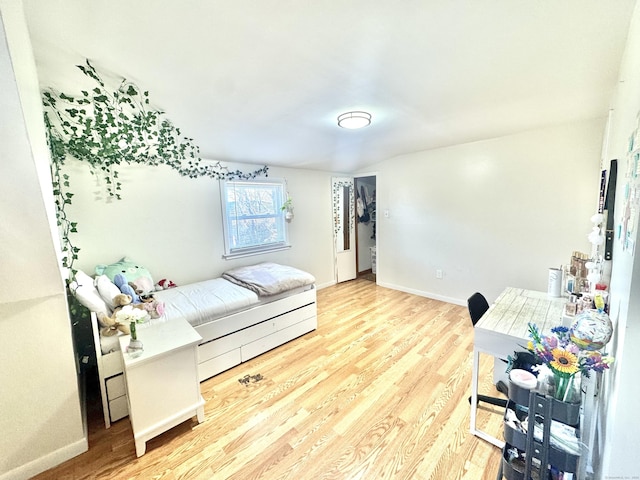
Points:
[(344, 226), (366, 247)]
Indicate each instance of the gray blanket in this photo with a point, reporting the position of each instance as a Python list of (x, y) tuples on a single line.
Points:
[(269, 278)]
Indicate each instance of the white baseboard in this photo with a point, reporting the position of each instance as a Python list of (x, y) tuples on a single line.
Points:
[(50, 460), (325, 285), (435, 296)]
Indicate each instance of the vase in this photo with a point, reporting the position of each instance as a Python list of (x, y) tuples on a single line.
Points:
[(567, 387), (135, 348)]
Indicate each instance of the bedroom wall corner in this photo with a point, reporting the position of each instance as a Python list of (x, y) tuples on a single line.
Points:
[(41, 421), (621, 389)]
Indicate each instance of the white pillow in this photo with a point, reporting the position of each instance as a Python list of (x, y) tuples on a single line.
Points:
[(87, 294), (107, 290)]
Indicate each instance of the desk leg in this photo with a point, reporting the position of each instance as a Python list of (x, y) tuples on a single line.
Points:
[(474, 403), (474, 390)]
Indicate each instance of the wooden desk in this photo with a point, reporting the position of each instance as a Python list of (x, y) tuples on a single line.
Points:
[(504, 329)]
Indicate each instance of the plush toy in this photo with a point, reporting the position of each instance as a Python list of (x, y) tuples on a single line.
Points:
[(123, 316), (139, 291), (164, 284), (153, 307), (132, 272), (111, 324), (121, 282)]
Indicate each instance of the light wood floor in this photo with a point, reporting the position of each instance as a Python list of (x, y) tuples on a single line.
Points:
[(379, 391)]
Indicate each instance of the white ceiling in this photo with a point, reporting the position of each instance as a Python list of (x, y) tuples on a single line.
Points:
[(263, 81)]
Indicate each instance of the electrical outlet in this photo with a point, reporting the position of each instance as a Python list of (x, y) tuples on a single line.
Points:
[(439, 274)]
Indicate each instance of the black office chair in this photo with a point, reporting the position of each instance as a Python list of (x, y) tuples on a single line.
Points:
[(478, 305)]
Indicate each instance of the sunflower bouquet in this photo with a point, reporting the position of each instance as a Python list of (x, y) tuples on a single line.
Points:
[(564, 358)]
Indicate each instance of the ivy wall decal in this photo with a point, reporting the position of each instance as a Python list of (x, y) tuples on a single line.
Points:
[(107, 128), (337, 208)]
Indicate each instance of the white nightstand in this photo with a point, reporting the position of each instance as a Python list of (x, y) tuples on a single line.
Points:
[(162, 384)]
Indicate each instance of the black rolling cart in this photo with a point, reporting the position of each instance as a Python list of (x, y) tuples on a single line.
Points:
[(530, 456)]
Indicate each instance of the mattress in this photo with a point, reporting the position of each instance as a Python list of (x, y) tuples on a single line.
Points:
[(202, 302)]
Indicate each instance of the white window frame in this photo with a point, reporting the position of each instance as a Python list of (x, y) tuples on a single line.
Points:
[(230, 216)]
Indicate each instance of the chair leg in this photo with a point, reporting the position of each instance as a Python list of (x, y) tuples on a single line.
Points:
[(502, 388), (499, 402)]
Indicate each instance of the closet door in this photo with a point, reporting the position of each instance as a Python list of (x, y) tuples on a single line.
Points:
[(344, 231)]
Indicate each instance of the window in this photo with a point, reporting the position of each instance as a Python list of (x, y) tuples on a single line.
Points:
[(253, 217)]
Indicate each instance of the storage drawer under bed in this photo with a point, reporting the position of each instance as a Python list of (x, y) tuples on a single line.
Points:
[(112, 364), (227, 352), (214, 348)]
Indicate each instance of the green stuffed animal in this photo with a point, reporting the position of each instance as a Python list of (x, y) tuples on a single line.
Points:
[(133, 272)]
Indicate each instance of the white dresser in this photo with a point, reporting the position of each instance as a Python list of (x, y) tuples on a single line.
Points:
[(162, 384)]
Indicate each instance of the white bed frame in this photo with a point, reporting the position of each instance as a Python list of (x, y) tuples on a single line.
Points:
[(226, 342)]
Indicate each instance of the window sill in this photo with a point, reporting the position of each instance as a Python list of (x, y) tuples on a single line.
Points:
[(251, 253)]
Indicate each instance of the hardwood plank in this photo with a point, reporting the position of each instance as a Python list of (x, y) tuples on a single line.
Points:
[(380, 391)]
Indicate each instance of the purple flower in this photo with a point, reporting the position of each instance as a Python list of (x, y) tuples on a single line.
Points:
[(573, 348)]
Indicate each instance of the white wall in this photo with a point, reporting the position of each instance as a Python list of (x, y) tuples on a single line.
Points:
[(172, 225), (41, 418), (489, 214), (622, 389)]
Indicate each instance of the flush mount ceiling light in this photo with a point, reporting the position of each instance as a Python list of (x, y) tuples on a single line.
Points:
[(353, 120)]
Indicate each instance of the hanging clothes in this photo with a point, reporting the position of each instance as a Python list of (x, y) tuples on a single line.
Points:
[(361, 206)]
